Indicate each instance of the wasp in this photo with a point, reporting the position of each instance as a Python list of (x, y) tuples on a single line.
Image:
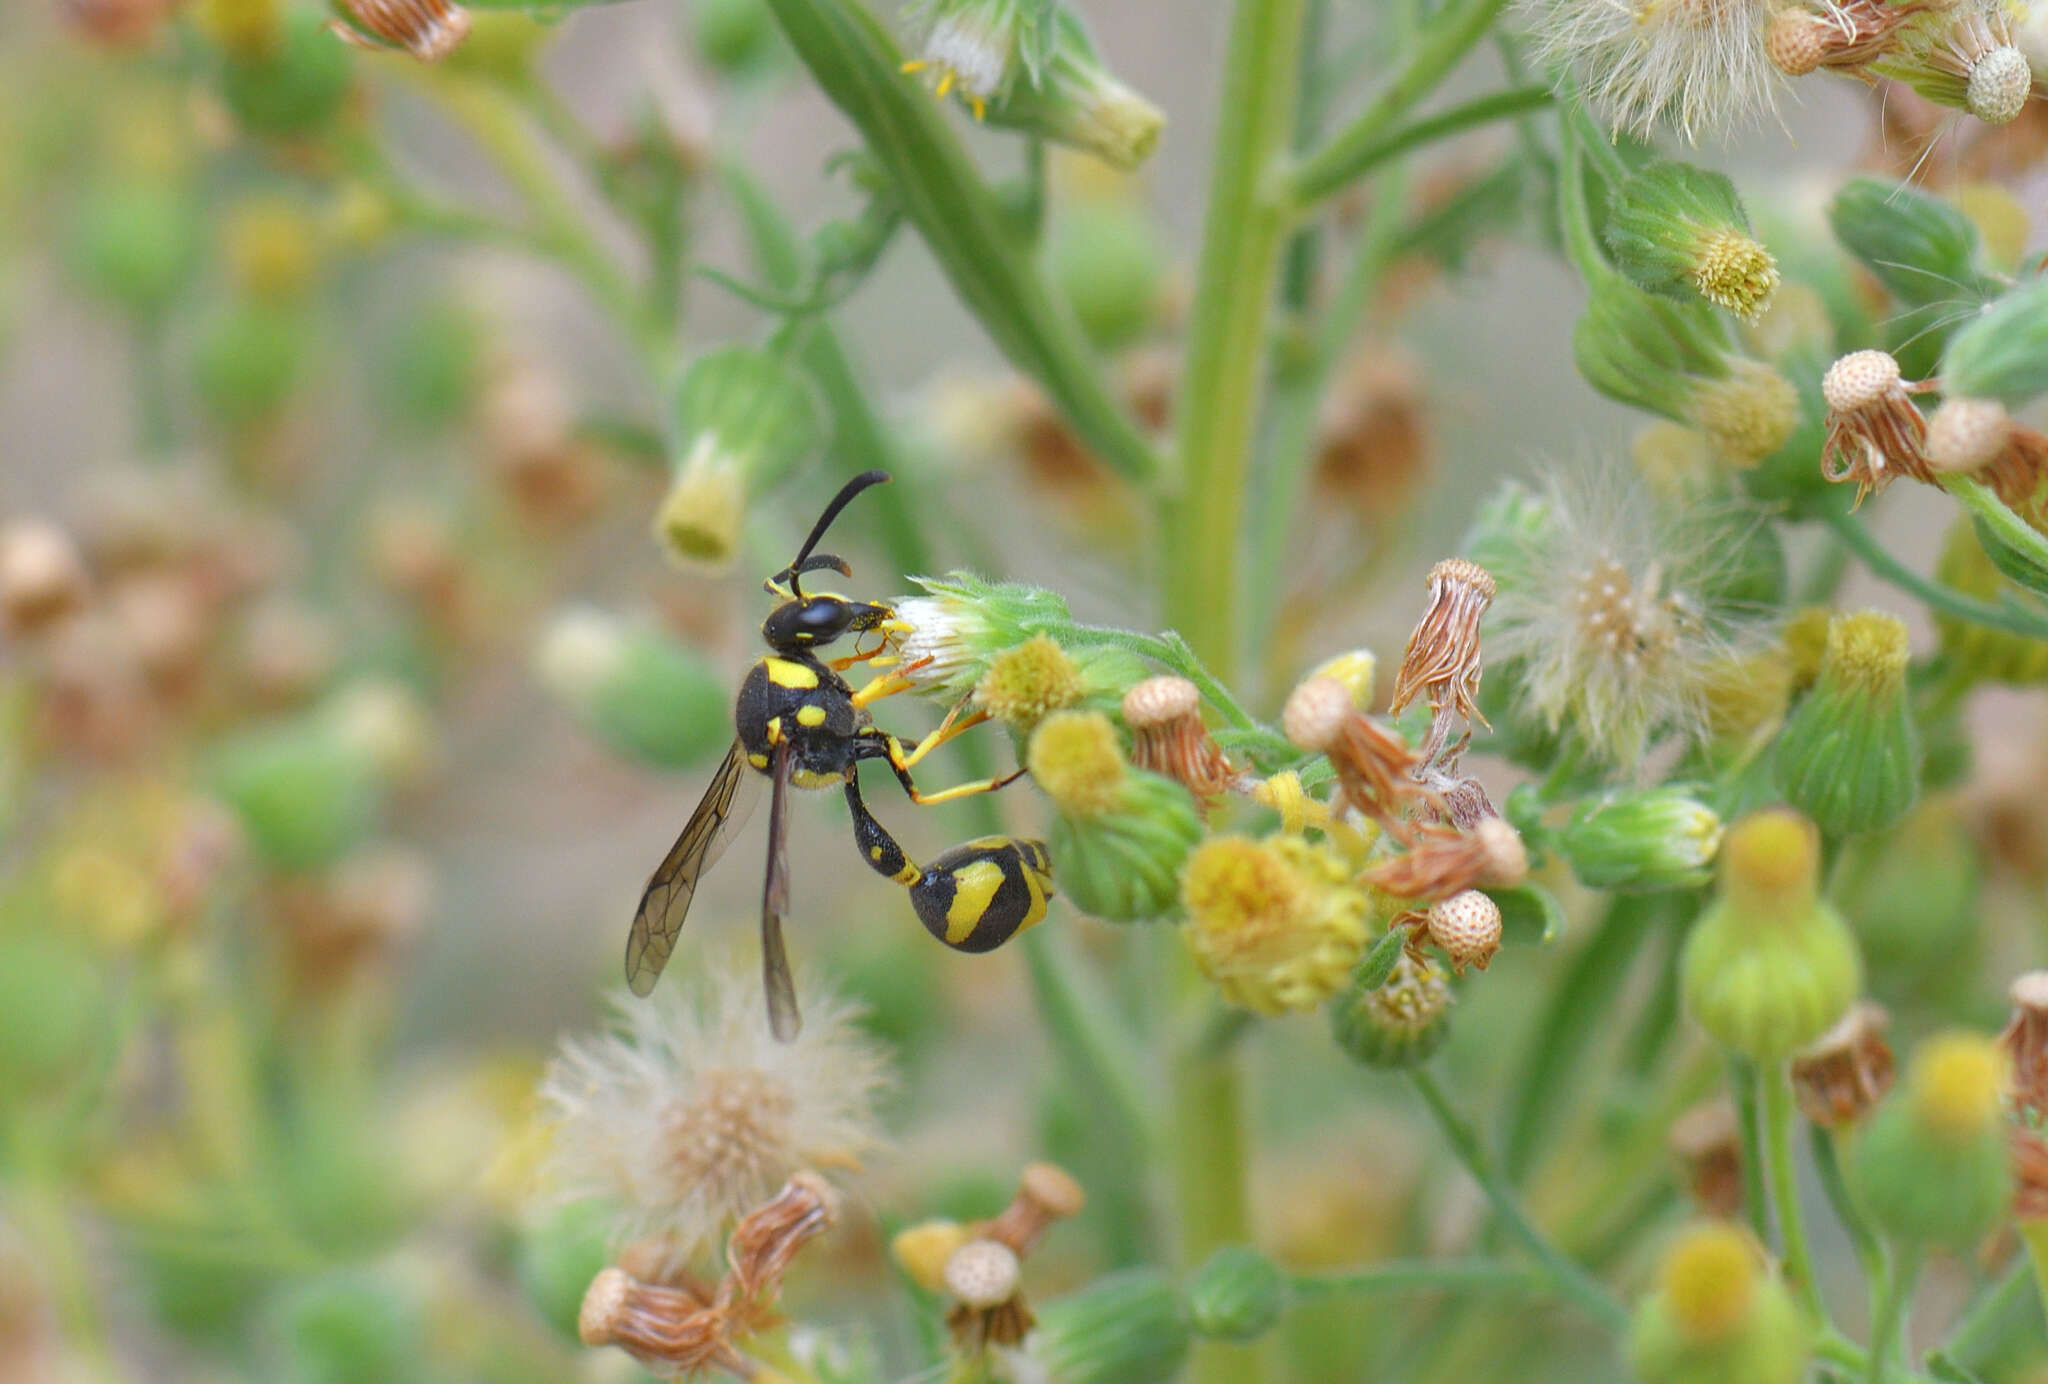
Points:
[(799, 724)]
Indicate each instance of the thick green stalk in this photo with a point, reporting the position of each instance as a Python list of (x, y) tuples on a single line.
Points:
[(943, 195), (1401, 1276), (1442, 46), (1778, 1117), (1976, 1335), (1572, 1281), (1891, 1312), (1227, 342), (1827, 1161)]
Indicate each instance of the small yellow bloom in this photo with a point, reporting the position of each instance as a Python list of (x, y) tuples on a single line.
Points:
[(1277, 924)]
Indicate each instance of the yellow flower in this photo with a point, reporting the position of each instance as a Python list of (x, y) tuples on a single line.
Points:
[(1277, 924)]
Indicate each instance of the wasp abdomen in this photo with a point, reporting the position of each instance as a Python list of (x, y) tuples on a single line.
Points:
[(978, 896)]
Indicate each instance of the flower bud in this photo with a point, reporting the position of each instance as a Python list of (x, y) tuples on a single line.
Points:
[(557, 1257), (923, 1250), (1848, 757), (1104, 256), (1276, 924), (1073, 99), (248, 360), (1355, 670), (1645, 350), (1027, 682), (353, 1324), (1921, 248), (428, 371), (42, 577), (734, 37), (135, 242), (1769, 966), (1679, 230), (1128, 1327), (1932, 1168), (649, 697), (1660, 838), (1238, 1294), (303, 793), (1717, 1314), (1402, 1023), (2001, 353), (1913, 891), (954, 632), (272, 247), (1975, 651), (1120, 834), (292, 86), (741, 419)]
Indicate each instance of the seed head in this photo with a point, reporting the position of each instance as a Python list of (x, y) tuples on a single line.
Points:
[(1699, 64), (428, 29), (1966, 435), (1875, 432), (2026, 1041), (1707, 1140), (1846, 1071), (983, 1274), (1466, 926), (1999, 84), (1446, 860), (1165, 717), (1443, 658)]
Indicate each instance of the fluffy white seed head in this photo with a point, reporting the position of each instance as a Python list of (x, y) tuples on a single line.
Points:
[(1699, 65)]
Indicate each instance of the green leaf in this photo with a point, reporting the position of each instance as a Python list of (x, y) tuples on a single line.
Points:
[(1379, 963), (1529, 915)]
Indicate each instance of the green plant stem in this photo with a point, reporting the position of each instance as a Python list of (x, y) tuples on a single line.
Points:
[(1227, 343), (1827, 1162), (1571, 1281), (1845, 1355), (1742, 1088), (1891, 1310), (1874, 555), (1778, 1121), (1441, 46), (1574, 218), (1418, 1275), (1973, 1336), (1324, 174), (1980, 500), (2035, 1236), (1594, 142), (1299, 396)]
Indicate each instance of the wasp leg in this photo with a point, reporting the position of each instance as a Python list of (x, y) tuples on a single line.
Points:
[(877, 847), (888, 684), (879, 744), (952, 726)]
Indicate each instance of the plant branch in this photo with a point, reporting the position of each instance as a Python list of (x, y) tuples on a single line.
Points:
[(2013, 619), (1324, 174), (1778, 1118)]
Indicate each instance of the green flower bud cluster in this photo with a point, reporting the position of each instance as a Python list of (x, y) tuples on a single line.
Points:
[(741, 419), (1660, 838), (1120, 834), (647, 695), (135, 241), (1932, 1167), (1769, 966), (1681, 231), (1402, 1022), (1848, 756), (1129, 1327)]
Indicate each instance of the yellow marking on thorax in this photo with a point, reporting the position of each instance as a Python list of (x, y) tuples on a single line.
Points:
[(975, 886), (813, 778), (784, 673), (759, 761), (812, 716), (774, 729)]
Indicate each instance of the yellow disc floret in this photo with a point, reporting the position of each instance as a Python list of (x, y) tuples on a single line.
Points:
[(1277, 924)]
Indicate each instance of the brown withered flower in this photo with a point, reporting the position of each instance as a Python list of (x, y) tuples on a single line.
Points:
[(42, 577), (1442, 861), (1373, 440), (1875, 432), (2025, 1040), (1850, 36), (1442, 660), (1374, 764), (428, 29), (1168, 737), (677, 1328), (1707, 1140), (2029, 1173), (1977, 437), (1846, 1071), (979, 1265), (984, 1279)]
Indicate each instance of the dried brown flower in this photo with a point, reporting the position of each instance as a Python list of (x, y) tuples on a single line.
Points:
[(1852, 34), (2025, 1040), (1845, 1072), (1442, 861), (1374, 441), (42, 577), (1875, 431), (984, 1278), (2029, 1173), (1168, 737), (1046, 1193), (678, 1329), (1442, 659), (1707, 1140), (1375, 766), (428, 29)]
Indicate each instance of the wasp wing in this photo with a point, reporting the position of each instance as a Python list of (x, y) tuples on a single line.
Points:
[(783, 1020), (726, 805)]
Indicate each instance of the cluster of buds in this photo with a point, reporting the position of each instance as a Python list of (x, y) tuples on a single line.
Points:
[(980, 1265), (680, 1327)]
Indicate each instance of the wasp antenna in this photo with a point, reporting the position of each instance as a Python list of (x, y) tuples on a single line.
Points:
[(839, 502)]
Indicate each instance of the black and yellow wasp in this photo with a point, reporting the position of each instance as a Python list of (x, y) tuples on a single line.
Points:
[(801, 725)]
